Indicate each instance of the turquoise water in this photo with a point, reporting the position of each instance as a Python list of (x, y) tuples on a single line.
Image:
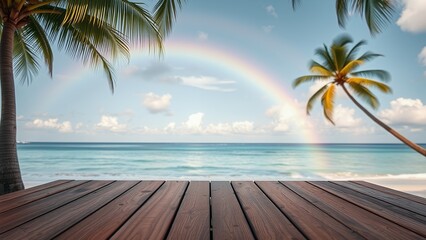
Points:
[(43, 162)]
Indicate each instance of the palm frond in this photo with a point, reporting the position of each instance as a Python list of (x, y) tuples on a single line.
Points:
[(377, 13), (90, 43), (327, 101), (375, 73), (368, 56), (165, 12), (25, 59), (38, 40), (370, 83), (127, 17), (309, 78), (295, 3), (342, 11), (349, 67), (315, 67), (325, 55), (314, 97), (342, 40), (365, 94), (339, 56), (354, 50)]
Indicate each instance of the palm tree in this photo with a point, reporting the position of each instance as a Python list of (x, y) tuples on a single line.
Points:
[(339, 69), (93, 31), (375, 12)]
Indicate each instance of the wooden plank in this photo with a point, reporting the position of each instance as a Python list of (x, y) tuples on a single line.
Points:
[(314, 223), (408, 196), (27, 212), (358, 219), (54, 222), (228, 220), (153, 219), (193, 218), (392, 191), (266, 221), (392, 199), (27, 191), (104, 222), (400, 216), (27, 198)]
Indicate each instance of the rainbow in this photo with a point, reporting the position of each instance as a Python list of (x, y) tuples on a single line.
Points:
[(250, 71), (222, 59)]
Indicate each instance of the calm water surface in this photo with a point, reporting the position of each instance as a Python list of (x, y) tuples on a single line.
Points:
[(42, 162)]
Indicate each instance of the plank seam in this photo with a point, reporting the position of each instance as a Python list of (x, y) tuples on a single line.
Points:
[(365, 208), (244, 213), (57, 207), (137, 209), (285, 215), (44, 196), (96, 210), (210, 210), (396, 195), (176, 211), (325, 212)]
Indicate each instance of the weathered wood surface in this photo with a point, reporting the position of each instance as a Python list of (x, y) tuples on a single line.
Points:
[(211, 210)]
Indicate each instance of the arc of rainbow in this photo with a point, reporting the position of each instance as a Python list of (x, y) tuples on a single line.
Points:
[(250, 71)]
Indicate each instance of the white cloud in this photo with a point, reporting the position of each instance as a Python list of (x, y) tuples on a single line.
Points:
[(268, 28), (51, 123), (344, 117), (208, 83), (110, 123), (285, 117), (271, 10), (156, 103), (203, 36), (413, 17), (405, 112), (194, 122)]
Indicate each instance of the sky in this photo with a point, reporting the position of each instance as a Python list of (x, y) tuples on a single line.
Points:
[(226, 76)]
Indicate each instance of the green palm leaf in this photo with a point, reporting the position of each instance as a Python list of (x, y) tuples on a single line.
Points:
[(165, 13), (25, 58), (325, 55), (376, 73), (128, 18), (376, 12), (365, 94), (351, 55), (327, 101), (40, 42), (314, 97), (368, 56)]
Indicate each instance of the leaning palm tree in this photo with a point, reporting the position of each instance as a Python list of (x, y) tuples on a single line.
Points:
[(93, 31), (375, 12), (339, 68)]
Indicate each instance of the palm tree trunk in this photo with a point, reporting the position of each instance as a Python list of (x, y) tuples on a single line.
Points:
[(409, 143), (10, 174)]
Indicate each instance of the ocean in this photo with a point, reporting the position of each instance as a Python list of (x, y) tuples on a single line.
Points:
[(387, 164)]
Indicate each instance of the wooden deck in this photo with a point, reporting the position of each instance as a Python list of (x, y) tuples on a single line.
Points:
[(211, 210)]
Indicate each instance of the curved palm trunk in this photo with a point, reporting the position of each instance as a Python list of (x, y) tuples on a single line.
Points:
[(10, 175), (409, 143)]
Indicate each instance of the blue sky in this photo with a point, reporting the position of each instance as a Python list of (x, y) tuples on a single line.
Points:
[(211, 85)]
